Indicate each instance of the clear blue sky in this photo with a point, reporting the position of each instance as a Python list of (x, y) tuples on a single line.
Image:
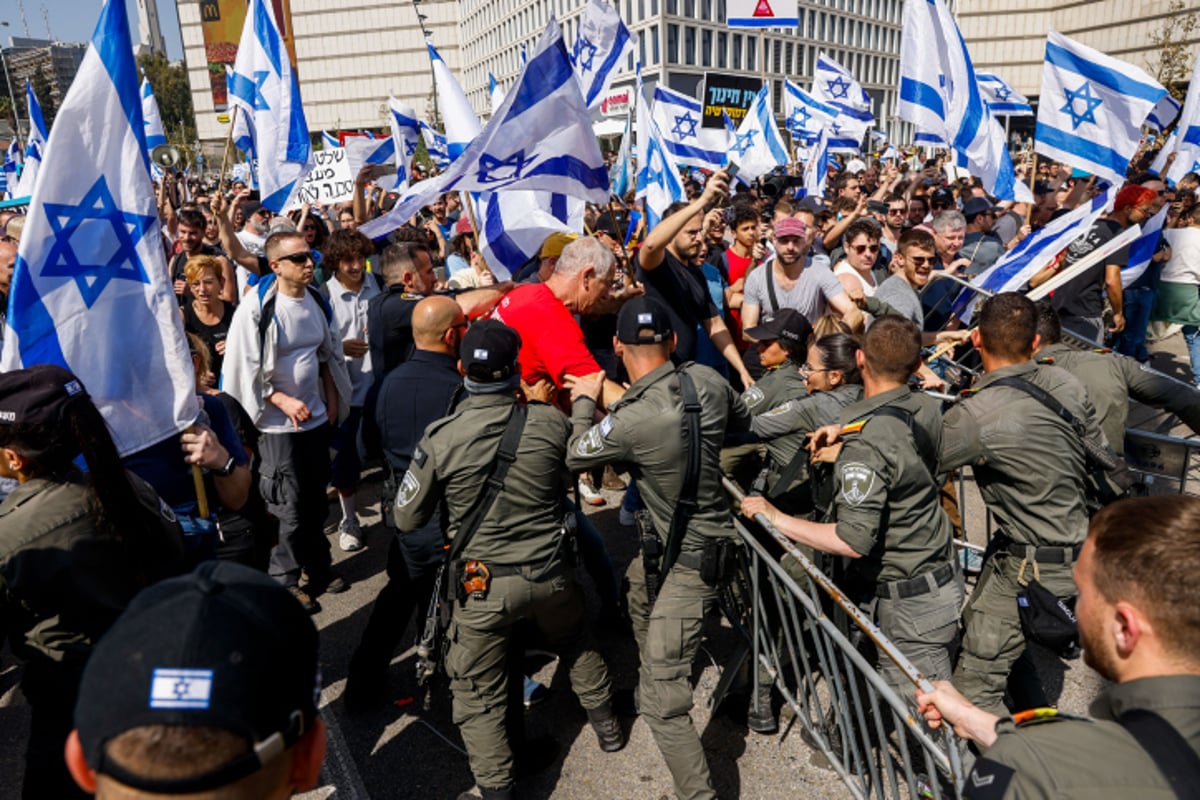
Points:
[(75, 20)]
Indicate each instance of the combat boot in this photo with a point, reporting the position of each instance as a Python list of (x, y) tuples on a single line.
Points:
[(607, 727), (762, 719), (488, 794)]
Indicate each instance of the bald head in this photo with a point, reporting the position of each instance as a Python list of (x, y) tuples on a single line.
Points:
[(431, 319)]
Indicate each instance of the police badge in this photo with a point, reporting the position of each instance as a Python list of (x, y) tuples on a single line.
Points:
[(408, 490), (857, 482)]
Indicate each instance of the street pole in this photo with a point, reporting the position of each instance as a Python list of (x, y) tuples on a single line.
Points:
[(12, 97), (432, 75)]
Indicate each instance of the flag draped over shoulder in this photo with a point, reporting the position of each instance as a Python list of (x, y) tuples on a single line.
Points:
[(1092, 108), (264, 88), (939, 93), (687, 142), (540, 139), (757, 146), (90, 288), (602, 43)]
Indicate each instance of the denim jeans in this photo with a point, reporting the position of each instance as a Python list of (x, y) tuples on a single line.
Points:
[(1138, 303), (1191, 335)]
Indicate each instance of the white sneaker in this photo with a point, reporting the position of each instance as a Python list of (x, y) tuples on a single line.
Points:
[(588, 492), (625, 517), (350, 536)]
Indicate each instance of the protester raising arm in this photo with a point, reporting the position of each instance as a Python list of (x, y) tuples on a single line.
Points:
[(654, 249), (223, 214)]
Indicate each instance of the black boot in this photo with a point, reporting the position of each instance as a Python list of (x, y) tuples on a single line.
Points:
[(761, 717), (488, 794), (607, 727)]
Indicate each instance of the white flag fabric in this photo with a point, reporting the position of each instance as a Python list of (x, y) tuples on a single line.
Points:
[(658, 182), (90, 289), (1187, 132), (678, 118), (435, 145), (515, 224), (806, 115), (939, 92), (757, 146), (35, 145), (1164, 113), (1092, 107), (495, 93), (622, 176), (406, 132), (264, 87), (600, 47), (1002, 99), (458, 118), (1141, 249), (12, 160), (816, 168), (151, 119), (540, 139), (329, 141), (835, 86)]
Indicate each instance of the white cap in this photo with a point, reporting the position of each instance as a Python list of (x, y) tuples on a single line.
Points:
[(855, 166)]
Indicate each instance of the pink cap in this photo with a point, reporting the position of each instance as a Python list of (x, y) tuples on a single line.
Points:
[(462, 226), (790, 226)]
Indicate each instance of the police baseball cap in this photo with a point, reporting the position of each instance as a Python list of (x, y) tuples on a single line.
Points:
[(942, 197), (489, 351), (786, 324), (222, 647), (643, 320), (38, 395), (976, 206)]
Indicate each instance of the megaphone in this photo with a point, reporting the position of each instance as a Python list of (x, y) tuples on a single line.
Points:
[(165, 155)]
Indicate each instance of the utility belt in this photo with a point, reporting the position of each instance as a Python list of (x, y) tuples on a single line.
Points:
[(475, 576), (1029, 552), (716, 560), (926, 583)]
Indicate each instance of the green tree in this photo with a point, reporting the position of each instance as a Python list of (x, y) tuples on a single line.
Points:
[(174, 96), (1171, 63)]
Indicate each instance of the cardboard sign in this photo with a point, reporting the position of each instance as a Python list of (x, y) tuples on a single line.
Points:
[(731, 94), (329, 182)]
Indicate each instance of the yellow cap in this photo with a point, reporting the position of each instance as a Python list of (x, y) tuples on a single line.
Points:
[(554, 244)]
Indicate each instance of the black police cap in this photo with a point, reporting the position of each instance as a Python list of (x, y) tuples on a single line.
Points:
[(489, 351), (643, 320), (38, 395)]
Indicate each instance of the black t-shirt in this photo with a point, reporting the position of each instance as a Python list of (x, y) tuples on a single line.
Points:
[(1083, 296), (683, 290), (211, 334), (389, 329)]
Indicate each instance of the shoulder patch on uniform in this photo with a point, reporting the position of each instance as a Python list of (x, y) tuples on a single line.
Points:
[(780, 409), (857, 482), (1046, 360), (419, 456), (753, 396), (988, 780), (167, 512), (1033, 716), (606, 426), (409, 488), (853, 427), (590, 443), (1102, 350)]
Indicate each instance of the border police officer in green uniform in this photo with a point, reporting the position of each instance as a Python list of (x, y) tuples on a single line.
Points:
[(889, 518), (515, 566), (643, 433), (1030, 465), (1140, 628)]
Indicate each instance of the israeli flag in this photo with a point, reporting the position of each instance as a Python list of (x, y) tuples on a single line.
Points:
[(151, 119), (540, 139), (1185, 141), (91, 277), (658, 183), (329, 141), (1092, 108), (1034, 252), (406, 132), (600, 47), (495, 93), (1141, 249), (515, 224), (806, 115), (678, 118), (816, 168), (622, 175), (264, 88), (890, 154), (1004, 100), (35, 145), (1164, 113), (12, 161), (458, 118), (361, 151), (757, 146), (939, 92), (928, 139), (835, 86), (435, 145)]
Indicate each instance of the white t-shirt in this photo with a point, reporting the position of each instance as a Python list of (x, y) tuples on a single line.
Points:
[(350, 322), (810, 296), (1184, 264), (300, 324), (844, 268)]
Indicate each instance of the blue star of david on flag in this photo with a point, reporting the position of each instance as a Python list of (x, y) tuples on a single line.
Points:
[(1002, 93), (584, 54), (839, 88), (497, 170), (685, 126), (800, 117), (1090, 101), (744, 142), (96, 225)]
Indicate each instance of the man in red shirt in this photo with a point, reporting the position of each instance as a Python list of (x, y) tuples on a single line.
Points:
[(552, 343)]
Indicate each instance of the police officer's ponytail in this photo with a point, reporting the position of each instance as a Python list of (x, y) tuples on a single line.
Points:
[(837, 353)]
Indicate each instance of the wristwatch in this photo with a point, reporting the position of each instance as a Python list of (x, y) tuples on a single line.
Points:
[(226, 470)]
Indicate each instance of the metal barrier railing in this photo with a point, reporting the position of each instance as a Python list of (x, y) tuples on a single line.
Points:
[(801, 629)]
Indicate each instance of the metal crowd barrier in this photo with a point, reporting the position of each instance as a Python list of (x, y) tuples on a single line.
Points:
[(808, 635)]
